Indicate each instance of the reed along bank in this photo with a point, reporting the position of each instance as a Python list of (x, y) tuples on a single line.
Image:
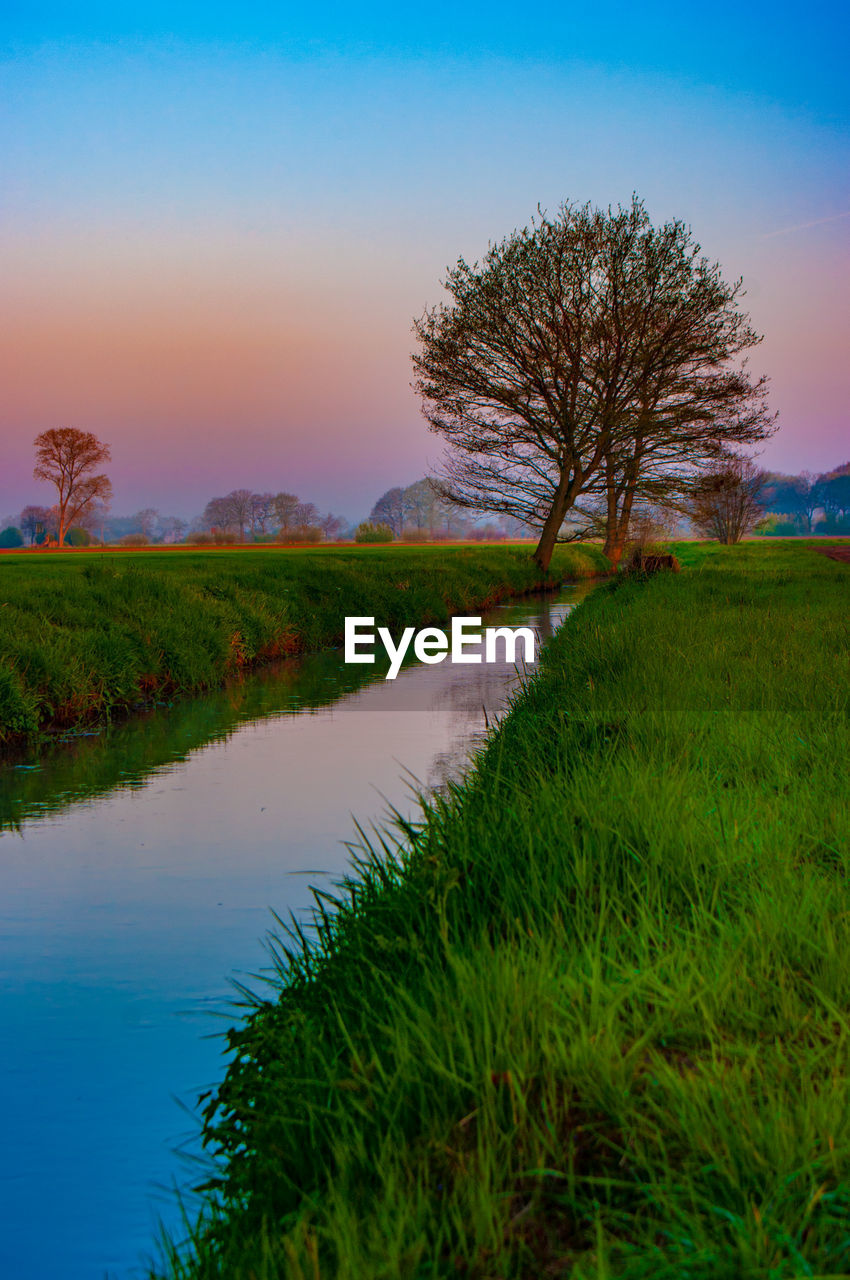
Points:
[(85, 635), (590, 1015)]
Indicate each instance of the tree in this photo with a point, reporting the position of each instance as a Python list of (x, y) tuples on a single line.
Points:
[(241, 504), (332, 526), (147, 519), (231, 513), (172, 528), (797, 496), (587, 353), (835, 490), (652, 463), (784, 495), (95, 518), (284, 506), (726, 503), (31, 518), (306, 516), (391, 509), (424, 505), (10, 538), (421, 507), (811, 497), (262, 511), (218, 515), (67, 458), (430, 511)]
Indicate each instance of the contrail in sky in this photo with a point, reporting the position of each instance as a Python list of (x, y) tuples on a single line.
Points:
[(803, 226)]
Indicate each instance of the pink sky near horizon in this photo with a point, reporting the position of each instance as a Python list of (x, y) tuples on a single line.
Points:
[(201, 385), (249, 325)]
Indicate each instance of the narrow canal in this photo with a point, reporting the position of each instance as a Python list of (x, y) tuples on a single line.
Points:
[(140, 867)]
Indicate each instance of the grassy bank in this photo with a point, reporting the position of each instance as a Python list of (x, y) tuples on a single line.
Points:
[(592, 1018), (84, 635)]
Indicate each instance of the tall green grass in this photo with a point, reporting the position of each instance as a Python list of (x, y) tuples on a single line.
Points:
[(84, 635), (590, 1015)]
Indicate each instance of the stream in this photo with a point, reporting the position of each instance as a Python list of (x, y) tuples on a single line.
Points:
[(140, 865)]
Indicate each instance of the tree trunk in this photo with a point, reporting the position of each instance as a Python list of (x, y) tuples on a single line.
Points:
[(616, 534), (549, 536), (613, 550), (611, 521), (619, 518), (552, 525)]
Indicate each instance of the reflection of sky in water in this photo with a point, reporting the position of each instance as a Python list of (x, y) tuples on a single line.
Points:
[(123, 911)]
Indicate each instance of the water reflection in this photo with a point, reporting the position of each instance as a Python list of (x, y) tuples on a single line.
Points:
[(139, 873), (127, 752)]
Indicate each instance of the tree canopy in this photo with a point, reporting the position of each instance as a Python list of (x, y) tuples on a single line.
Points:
[(590, 353)]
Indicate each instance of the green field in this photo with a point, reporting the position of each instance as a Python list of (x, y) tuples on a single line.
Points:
[(591, 1016), (85, 634)]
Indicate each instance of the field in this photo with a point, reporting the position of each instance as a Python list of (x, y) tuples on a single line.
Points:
[(590, 1016), (86, 634)]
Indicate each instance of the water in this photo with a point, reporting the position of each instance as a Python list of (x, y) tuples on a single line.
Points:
[(139, 868)]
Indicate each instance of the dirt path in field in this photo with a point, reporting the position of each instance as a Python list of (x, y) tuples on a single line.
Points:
[(836, 553)]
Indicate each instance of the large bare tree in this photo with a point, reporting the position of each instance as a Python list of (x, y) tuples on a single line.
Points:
[(586, 354), (67, 458)]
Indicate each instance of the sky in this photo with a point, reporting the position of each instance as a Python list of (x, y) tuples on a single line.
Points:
[(217, 223)]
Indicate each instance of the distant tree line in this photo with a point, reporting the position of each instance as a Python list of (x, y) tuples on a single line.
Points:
[(806, 503), (416, 512), (720, 491), (732, 499), (38, 526), (423, 511), (245, 516), (726, 503), (737, 498)]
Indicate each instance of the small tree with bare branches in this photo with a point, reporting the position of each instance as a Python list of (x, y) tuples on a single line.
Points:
[(66, 458), (725, 504)]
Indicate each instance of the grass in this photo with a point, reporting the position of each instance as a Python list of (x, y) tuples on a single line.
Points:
[(86, 635), (590, 1015)]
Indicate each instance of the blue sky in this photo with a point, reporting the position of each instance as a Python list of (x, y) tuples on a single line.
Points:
[(790, 54)]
